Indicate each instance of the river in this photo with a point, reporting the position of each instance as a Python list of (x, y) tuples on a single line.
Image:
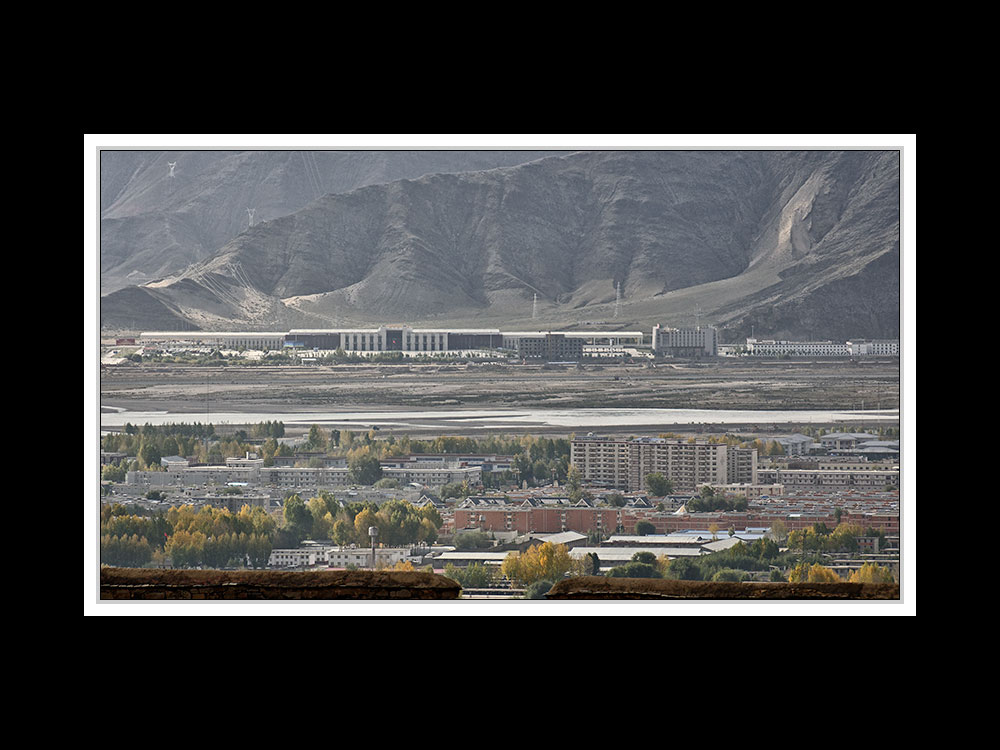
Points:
[(499, 419)]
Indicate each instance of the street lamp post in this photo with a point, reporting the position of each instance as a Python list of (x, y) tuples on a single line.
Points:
[(373, 532)]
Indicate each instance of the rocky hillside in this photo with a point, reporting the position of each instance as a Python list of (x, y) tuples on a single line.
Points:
[(157, 220), (792, 244)]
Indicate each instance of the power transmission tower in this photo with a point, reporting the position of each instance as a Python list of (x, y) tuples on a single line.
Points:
[(250, 214)]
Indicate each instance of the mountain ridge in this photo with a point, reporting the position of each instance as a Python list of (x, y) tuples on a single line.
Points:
[(747, 240)]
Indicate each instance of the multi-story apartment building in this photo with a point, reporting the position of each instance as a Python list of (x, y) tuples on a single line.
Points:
[(433, 474), (685, 342), (771, 348), (551, 347), (253, 473), (602, 461), (624, 464), (793, 479)]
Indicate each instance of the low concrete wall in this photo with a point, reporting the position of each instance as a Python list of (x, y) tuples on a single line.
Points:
[(597, 587), (132, 583)]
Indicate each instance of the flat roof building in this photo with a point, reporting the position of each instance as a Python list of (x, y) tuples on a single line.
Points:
[(702, 341), (386, 338), (622, 463)]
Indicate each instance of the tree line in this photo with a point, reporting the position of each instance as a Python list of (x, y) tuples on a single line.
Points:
[(325, 518), (151, 443), (744, 561), (216, 537), (708, 501), (537, 460), (186, 537)]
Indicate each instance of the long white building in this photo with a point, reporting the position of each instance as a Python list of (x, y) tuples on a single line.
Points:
[(252, 472), (334, 556), (260, 340), (386, 338), (772, 348)]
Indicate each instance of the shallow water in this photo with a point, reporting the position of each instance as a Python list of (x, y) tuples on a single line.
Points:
[(497, 418)]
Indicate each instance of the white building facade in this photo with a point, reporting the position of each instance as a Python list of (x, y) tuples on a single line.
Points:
[(702, 341), (771, 348)]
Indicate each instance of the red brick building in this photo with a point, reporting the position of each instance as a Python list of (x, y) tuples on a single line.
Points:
[(552, 520)]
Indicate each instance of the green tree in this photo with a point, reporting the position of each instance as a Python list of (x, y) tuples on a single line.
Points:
[(322, 519), (474, 576), (658, 485), (150, 456), (538, 590), (634, 570), (364, 468), (574, 483), (644, 527), (428, 532), (258, 550), (113, 472), (298, 519), (317, 440), (540, 471), (343, 532), (647, 558), (684, 569), (471, 540)]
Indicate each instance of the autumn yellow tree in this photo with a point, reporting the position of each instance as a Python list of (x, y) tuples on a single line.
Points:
[(663, 565), (815, 573), (542, 562), (362, 521), (871, 573)]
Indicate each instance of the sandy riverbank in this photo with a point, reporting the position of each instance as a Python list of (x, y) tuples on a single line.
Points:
[(465, 389)]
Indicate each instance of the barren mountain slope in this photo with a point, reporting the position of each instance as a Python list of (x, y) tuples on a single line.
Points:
[(789, 242), (157, 219)]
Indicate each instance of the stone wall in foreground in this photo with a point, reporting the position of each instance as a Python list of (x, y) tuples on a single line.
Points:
[(598, 587), (133, 583)]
